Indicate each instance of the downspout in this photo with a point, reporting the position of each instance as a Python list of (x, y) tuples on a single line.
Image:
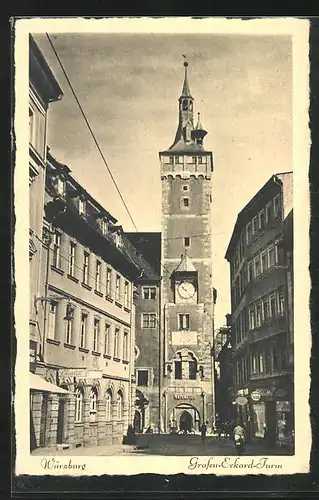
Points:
[(160, 362), (46, 288)]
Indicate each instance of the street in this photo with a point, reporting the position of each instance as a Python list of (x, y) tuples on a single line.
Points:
[(172, 445)]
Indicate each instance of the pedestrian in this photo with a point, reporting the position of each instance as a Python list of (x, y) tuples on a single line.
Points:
[(203, 431)]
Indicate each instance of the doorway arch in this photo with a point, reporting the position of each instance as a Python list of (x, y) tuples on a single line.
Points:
[(186, 421)]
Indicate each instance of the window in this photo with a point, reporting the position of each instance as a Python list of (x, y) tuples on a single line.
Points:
[(119, 406), (98, 276), (248, 233), (93, 405), (268, 212), (257, 266), (60, 186), (187, 242), (258, 315), (192, 367), (78, 405), (125, 346), (275, 360), (271, 256), (185, 187), (149, 292), (96, 334), (118, 288), (52, 320), (262, 220), (261, 362), (86, 264), (186, 202), (265, 309), (116, 343), (69, 317), (254, 364), (126, 294), (251, 318), (263, 262), (277, 206), (31, 126), (171, 159), (142, 378), (72, 250), (272, 301), (107, 339), (84, 318), (56, 249), (185, 105), (178, 159), (108, 405), (281, 302), (81, 206), (200, 159), (183, 321), (108, 282), (250, 271), (255, 226), (149, 320), (104, 226), (178, 369)]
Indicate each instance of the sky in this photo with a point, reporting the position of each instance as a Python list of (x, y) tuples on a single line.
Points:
[(129, 85)]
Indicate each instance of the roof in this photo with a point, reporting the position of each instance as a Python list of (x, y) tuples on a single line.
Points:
[(244, 215), (149, 245), (60, 166), (41, 75), (185, 91), (185, 265)]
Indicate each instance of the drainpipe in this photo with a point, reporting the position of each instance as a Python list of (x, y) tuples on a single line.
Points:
[(160, 362)]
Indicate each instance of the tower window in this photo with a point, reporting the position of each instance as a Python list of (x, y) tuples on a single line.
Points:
[(185, 105), (178, 159), (142, 378), (178, 370), (186, 202), (187, 242), (185, 187), (183, 321), (200, 159), (171, 159)]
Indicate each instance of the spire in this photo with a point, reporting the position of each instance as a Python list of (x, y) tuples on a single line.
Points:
[(199, 125), (185, 91)]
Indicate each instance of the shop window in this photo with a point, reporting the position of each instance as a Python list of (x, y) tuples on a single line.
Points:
[(93, 405)]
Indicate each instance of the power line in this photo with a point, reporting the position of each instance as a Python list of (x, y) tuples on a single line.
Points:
[(90, 129)]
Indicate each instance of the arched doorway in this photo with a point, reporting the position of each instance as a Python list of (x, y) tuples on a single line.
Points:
[(137, 421), (185, 421)]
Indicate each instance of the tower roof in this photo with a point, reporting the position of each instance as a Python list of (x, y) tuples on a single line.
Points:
[(186, 265), (185, 91)]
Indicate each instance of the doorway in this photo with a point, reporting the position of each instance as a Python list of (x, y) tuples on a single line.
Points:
[(185, 421), (43, 421), (60, 430), (137, 421)]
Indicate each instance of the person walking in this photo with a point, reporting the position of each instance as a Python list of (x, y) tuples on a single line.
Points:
[(203, 431)]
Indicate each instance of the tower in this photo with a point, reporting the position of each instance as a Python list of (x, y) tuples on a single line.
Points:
[(187, 389)]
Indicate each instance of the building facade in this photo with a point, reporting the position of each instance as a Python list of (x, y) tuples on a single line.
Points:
[(187, 297), (223, 363), (43, 90), (88, 337), (147, 334), (262, 330)]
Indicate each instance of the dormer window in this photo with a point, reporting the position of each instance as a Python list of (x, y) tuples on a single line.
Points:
[(104, 226), (60, 186), (118, 240), (81, 206)]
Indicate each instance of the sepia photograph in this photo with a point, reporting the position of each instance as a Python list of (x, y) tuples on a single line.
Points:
[(165, 203)]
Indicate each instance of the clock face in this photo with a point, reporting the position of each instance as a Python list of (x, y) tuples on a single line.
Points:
[(186, 290)]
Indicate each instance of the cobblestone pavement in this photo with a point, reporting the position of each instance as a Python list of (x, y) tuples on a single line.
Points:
[(167, 445)]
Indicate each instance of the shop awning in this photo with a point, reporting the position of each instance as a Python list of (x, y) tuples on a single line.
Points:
[(39, 384)]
